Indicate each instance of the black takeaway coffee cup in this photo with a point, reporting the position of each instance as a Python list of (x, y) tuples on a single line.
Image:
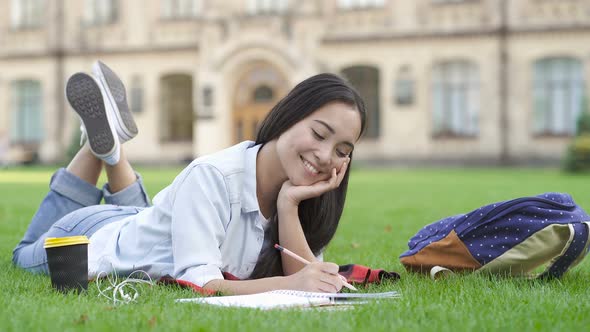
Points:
[(67, 258)]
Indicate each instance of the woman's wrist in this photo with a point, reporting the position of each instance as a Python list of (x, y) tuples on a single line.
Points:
[(287, 209), (286, 201), (284, 282)]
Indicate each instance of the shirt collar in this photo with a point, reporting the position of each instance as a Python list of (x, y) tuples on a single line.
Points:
[(249, 198)]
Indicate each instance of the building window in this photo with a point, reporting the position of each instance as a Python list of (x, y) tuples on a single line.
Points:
[(99, 12), (180, 9), (455, 99), (366, 80), (27, 13), (263, 94), (404, 87), (360, 4), (451, 1), (260, 7), (26, 125), (136, 95), (205, 108), (208, 96), (558, 95), (176, 123)]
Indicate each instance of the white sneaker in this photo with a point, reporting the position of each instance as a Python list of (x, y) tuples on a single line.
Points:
[(115, 97), (84, 95)]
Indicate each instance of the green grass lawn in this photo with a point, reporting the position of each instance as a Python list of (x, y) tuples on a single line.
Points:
[(384, 209)]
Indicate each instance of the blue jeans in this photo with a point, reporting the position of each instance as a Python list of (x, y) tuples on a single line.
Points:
[(72, 207)]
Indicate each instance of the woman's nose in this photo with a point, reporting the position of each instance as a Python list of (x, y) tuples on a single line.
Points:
[(323, 157)]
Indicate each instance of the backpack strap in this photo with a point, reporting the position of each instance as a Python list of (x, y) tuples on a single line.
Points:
[(576, 246)]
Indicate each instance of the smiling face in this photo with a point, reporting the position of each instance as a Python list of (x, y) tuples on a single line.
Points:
[(310, 149)]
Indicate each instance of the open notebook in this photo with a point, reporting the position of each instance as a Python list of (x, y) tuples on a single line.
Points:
[(289, 298)]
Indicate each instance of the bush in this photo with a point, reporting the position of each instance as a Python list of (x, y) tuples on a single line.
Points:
[(73, 146), (583, 124), (577, 158)]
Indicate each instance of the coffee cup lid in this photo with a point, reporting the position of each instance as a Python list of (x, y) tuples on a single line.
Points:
[(52, 242)]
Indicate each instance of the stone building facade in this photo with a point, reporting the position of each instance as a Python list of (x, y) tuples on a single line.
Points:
[(445, 80)]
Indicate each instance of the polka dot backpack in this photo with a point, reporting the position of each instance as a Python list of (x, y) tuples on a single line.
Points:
[(540, 236)]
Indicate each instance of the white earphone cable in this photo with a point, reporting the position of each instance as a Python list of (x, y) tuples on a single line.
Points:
[(124, 292)]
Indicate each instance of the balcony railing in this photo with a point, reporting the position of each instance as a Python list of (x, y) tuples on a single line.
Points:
[(175, 32), (25, 41), (455, 16), (360, 21), (539, 13)]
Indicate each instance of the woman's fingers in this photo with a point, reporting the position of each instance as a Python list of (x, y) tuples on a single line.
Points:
[(328, 288), (338, 175), (329, 267), (318, 277), (331, 183), (331, 283), (342, 172), (300, 193), (330, 278), (321, 187)]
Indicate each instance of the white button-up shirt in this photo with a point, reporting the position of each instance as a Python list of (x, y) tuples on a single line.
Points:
[(207, 221)]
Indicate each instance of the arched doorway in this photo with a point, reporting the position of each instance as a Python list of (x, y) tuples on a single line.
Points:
[(257, 91)]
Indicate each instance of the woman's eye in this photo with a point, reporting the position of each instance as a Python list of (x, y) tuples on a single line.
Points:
[(340, 154), (318, 136)]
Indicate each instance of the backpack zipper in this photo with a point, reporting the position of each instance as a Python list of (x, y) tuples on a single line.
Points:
[(508, 207)]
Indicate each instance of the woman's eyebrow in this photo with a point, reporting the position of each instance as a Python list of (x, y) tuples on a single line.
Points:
[(334, 132), (326, 125)]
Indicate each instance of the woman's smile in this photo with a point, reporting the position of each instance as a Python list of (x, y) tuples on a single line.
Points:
[(309, 167)]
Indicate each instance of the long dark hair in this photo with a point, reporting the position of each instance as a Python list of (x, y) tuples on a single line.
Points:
[(308, 96)]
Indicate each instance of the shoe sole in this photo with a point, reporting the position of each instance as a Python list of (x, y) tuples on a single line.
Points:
[(117, 98), (83, 94)]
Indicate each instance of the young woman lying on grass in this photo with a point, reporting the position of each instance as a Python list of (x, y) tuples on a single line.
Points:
[(224, 212)]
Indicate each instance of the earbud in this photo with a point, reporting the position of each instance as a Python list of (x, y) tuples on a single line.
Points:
[(119, 295)]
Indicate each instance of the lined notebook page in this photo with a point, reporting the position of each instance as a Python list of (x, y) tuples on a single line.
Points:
[(336, 296), (261, 301), (286, 299)]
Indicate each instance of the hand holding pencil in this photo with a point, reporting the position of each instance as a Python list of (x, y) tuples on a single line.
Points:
[(306, 262)]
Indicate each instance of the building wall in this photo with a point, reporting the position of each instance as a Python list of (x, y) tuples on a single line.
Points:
[(226, 38), (525, 50)]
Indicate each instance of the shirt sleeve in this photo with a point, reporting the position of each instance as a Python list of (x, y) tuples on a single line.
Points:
[(200, 211)]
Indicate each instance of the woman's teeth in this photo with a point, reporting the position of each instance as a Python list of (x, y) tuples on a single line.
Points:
[(310, 167)]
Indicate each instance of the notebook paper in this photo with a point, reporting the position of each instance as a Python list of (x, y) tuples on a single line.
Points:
[(337, 296), (289, 299)]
